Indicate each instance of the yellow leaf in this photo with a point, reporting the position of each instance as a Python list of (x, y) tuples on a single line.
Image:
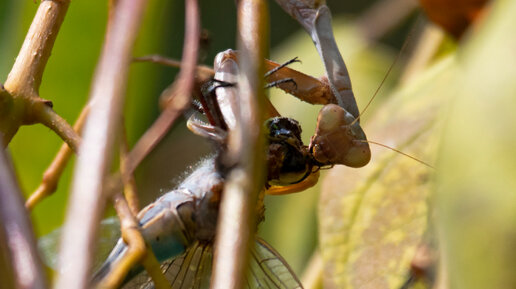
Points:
[(372, 219), (476, 184)]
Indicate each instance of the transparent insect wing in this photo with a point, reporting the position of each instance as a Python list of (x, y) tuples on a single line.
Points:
[(108, 236), (267, 269)]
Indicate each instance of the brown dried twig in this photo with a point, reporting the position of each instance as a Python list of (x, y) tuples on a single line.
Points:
[(236, 221), (22, 84), (137, 249), (54, 171), (130, 191), (178, 96), (202, 72), (87, 202), (22, 260)]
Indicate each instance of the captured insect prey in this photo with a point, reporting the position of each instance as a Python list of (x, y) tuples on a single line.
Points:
[(180, 225)]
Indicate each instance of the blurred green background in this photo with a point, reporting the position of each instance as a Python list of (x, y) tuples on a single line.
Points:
[(290, 224)]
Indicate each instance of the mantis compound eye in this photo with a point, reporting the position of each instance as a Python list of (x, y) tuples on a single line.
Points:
[(339, 139), (288, 160)]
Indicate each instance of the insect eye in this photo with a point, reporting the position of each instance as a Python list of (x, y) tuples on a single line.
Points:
[(288, 159), (290, 165)]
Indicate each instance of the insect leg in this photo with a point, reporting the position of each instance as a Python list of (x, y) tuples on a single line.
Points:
[(306, 183), (206, 130), (281, 66), (315, 17), (277, 83), (210, 104)]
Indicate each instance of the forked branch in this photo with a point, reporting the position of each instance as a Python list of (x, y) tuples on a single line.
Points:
[(20, 101)]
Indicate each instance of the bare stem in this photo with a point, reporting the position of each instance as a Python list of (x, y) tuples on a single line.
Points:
[(130, 191), (179, 95), (25, 76), (137, 250), (53, 173), (45, 115), (16, 231), (134, 240), (202, 74), (107, 98), (236, 221)]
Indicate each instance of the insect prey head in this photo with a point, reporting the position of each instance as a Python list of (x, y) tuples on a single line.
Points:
[(288, 160), (339, 139)]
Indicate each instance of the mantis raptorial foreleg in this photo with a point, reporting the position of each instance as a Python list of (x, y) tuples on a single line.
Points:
[(315, 17), (339, 139)]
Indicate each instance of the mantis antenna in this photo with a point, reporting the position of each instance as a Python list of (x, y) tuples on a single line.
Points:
[(398, 151), (403, 48)]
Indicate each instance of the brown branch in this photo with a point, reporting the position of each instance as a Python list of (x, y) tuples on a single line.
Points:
[(107, 98), (17, 240), (22, 84), (236, 221), (53, 173), (178, 98)]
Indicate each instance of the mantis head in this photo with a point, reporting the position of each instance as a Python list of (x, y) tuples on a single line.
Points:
[(339, 139)]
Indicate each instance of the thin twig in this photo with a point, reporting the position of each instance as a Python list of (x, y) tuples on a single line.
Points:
[(137, 249), (130, 191), (236, 221), (45, 115), (53, 173), (16, 230), (202, 72), (134, 240), (179, 96), (107, 97)]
